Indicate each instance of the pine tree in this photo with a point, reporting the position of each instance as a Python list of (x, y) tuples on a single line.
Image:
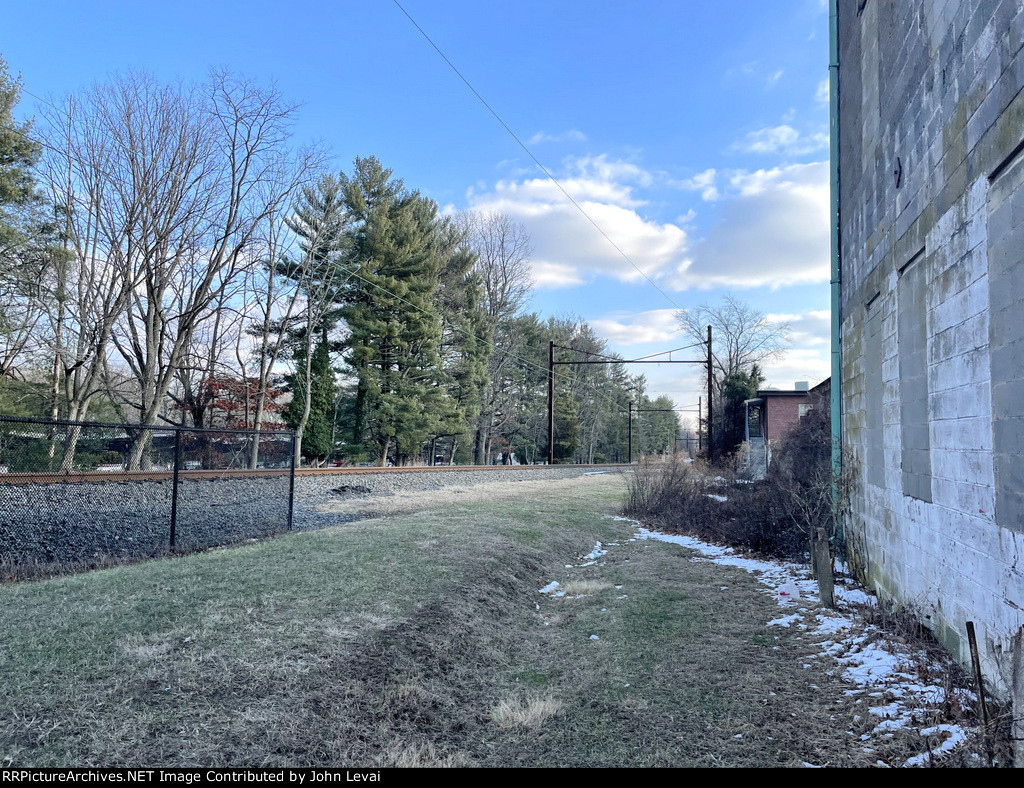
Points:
[(318, 435), (320, 221), (398, 255), (18, 154), (567, 429), (737, 388)]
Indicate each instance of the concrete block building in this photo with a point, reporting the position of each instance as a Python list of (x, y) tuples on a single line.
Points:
[(931, 318)]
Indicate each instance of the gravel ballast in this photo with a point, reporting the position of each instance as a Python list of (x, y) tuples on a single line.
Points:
[(86, 521)]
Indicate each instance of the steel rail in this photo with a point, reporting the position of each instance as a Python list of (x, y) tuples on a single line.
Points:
[(244, 473)]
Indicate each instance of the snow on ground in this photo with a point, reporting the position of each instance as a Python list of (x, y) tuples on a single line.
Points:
[(878, 668)]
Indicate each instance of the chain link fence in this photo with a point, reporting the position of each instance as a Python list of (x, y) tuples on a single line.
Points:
[(80, 491)]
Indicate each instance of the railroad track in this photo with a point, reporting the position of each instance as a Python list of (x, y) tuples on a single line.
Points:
[(243, 473)]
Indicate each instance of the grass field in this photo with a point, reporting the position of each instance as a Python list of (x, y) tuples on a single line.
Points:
[(416, 639)]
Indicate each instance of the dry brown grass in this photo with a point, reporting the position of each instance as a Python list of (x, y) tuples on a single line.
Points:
[(421, 756), (577, 588), (512, 713), (355, 646)]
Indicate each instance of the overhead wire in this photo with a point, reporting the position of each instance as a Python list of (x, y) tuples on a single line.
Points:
[(494, 348), (536, 161)]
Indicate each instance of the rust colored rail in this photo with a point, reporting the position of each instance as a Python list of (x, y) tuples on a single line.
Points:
[(161, 476)]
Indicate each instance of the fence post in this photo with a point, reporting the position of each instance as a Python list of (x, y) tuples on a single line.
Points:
[(291, 486), (174, 487)]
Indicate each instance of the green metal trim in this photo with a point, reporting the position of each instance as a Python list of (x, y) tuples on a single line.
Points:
[(836, 278)]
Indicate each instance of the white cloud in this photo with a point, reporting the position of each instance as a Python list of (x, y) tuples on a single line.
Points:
[(568, 250), (773, 232), (775, 76), (571, 135), (807, 359), (659, 325), (782, 139), (604, 169), (812, 329), (703, 182), (823, 93), (799, 363)]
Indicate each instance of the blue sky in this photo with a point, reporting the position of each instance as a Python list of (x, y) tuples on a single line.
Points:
[(694, 133)]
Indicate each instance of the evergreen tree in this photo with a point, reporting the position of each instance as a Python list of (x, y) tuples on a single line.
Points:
[(737, 388), (318, 434), (28, 236), (18, 155), (567, 429), (466, 342), (399, 251), (320, 222)]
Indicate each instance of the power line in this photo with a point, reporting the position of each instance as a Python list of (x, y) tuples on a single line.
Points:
[(536, 161), (674, 350), (493, 347), (466, 333)]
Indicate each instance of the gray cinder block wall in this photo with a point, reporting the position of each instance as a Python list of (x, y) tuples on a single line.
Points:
[(932, 265)]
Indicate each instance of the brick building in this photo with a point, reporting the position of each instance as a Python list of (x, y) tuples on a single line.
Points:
[(771, 414), (931, 270)]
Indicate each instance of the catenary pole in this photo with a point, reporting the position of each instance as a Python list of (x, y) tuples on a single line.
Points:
[(551, 402), (711, 442)]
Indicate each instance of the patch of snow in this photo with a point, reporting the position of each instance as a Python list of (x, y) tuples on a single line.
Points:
[(719, 498), (785, 621), (549, 587), (855, 596), (955, 736), (876, 666), (594, 637), (832, 624)]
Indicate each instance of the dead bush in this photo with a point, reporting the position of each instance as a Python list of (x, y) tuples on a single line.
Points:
[(674, 495)]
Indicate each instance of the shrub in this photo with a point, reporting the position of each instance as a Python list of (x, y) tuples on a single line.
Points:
[(674, 495)]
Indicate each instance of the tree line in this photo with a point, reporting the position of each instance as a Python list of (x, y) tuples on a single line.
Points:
[(168, 255)]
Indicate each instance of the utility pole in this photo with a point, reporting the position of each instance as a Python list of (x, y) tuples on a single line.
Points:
[(551, 402), (630, 432), (603, 361), (700, 425), (711, 441)]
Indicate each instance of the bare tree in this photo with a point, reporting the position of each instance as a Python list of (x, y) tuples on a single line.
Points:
[(503, 251), (742, 336), (503, 261), (271, 301), (88, 288), (163, 189)]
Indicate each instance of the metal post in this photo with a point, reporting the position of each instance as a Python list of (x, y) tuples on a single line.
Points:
[(972, 641), (291, 486), (551, 402), (631, 432), (700, 425), (711, 441), (174, 488)]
